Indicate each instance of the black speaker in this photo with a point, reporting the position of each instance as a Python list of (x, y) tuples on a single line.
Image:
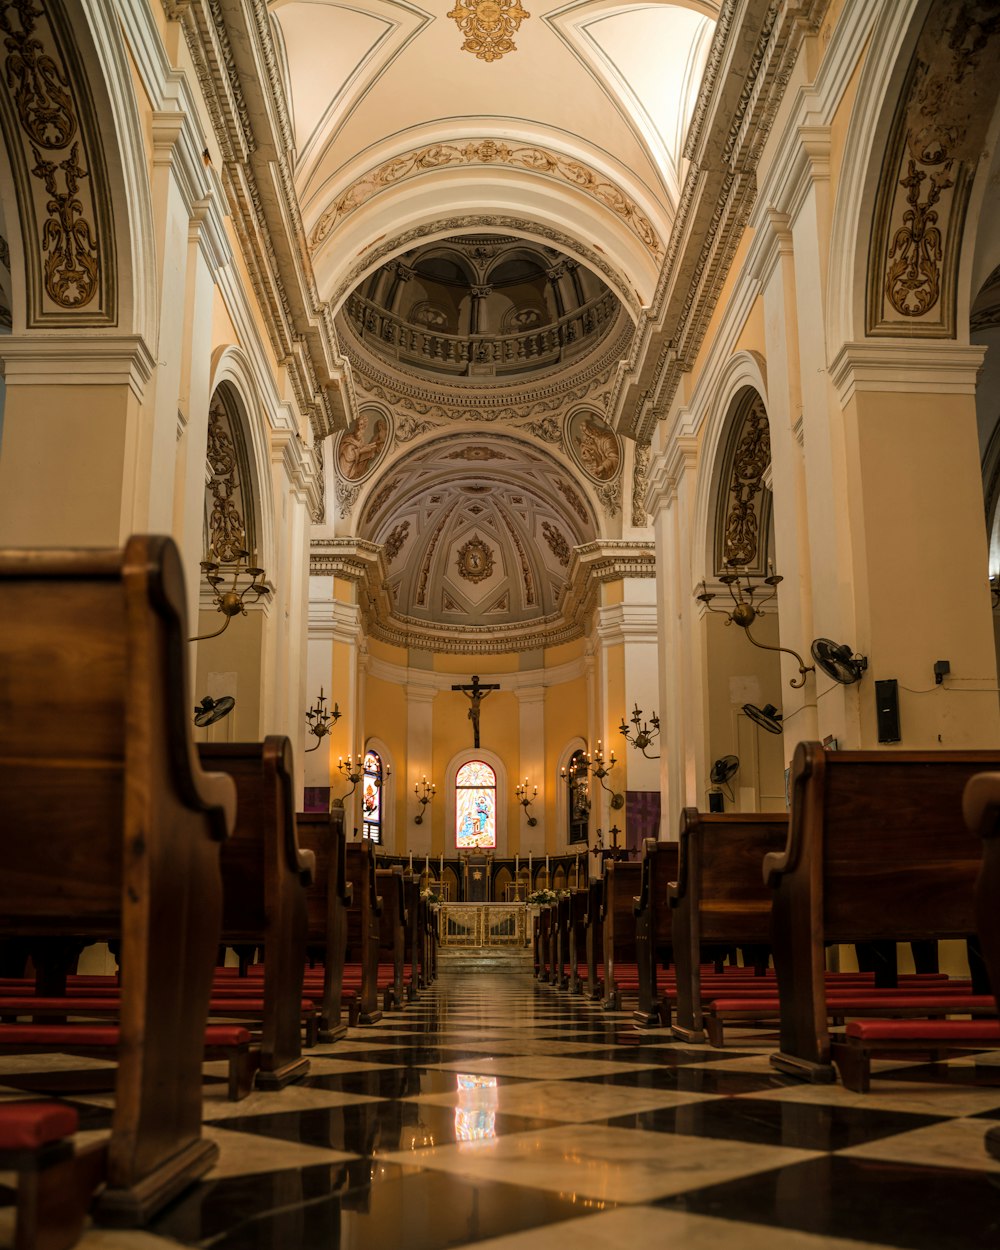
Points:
[(887, 710), (716, 801)]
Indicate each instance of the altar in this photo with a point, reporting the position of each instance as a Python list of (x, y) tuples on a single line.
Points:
[(483, 924)]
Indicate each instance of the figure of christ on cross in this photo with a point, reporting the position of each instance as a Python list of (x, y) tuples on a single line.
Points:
[(475, 694)]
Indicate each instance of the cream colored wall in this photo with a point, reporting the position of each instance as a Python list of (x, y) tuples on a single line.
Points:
[(231, 665), (740, 673)]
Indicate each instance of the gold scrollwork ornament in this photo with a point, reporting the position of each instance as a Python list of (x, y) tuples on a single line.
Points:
[(488, 26)]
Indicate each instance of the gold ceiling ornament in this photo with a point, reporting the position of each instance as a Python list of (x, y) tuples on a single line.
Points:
[(488, 26)]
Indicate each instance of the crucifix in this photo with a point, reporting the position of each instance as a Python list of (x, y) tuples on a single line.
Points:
[(475, 694)]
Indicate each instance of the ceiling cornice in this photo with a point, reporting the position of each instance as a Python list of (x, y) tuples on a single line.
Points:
[(591, 565), (232, 50), (752, 57)]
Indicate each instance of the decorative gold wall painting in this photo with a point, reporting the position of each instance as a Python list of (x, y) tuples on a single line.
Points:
[(594, 445), (360, 448)]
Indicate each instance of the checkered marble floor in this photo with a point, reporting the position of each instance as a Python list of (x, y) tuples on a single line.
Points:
[(499, 1112)]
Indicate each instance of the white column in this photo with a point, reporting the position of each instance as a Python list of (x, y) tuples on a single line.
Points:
[(682, 677), (420, 763), (531, 764)]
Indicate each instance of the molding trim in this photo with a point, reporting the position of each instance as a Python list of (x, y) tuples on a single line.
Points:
[(592, 564), (907, 366), (77, 359), (627, 623)]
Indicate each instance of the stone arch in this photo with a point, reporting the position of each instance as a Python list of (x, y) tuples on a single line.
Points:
[(78, 143), (232, 377), (729, 493), (893, 206), (743, 375), (237, 662)]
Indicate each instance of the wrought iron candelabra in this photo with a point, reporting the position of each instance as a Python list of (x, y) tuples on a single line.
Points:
[(521, 792), (425, 792), (231, 602), (746, 608), (321, 722), (644, 733), (596, 765)]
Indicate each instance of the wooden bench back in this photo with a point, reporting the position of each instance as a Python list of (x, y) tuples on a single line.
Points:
[(657, 870), (881, 835), (981, 805), (366, 907), (622, 882), (263, 855), (720, 868), (109, 827), (323, 835), (92, 689)]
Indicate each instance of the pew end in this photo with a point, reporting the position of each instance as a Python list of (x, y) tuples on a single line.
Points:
[(130, 824)]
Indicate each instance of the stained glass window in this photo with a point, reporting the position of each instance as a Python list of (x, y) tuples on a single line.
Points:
[(475, 806), (371, 799)]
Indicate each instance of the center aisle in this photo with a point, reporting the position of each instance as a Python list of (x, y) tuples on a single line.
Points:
[(498, 1108)]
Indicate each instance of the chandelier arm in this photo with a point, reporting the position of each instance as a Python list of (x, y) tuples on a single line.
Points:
[(319, 743), (803, 667), (202, 637), (649, 757)]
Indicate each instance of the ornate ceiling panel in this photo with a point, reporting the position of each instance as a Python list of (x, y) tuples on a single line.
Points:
[(480, 531)]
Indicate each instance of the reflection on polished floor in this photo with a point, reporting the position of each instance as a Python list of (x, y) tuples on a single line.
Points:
[(498, 1111)]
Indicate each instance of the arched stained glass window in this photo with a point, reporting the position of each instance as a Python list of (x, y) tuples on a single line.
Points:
[(578, 807), (475, 806), (371, 799)]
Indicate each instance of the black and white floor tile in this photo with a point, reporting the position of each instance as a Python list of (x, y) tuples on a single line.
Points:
[(501, 1113)]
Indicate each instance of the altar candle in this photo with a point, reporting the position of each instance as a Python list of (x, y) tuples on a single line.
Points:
[(517, 865), (411, 861), (441, 868), (427, 866), (546, 869), (529, 867)]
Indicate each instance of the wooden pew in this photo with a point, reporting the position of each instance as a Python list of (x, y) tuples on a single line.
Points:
[(876, 849), (719, 896), (559, 975), (578, 900), (55, 1182), (265, 875), (981, 807), (363, 921), (327, 901), (594, 940), (413, 934), (111, 829), (621, 887), (653, 927), (392, 929)]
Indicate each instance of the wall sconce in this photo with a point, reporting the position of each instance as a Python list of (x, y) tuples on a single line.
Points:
[(424, 793), (522, 797), (321, 722), (230, 602), (745, 610), (595, 764), (644, 734), (351, 770)]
